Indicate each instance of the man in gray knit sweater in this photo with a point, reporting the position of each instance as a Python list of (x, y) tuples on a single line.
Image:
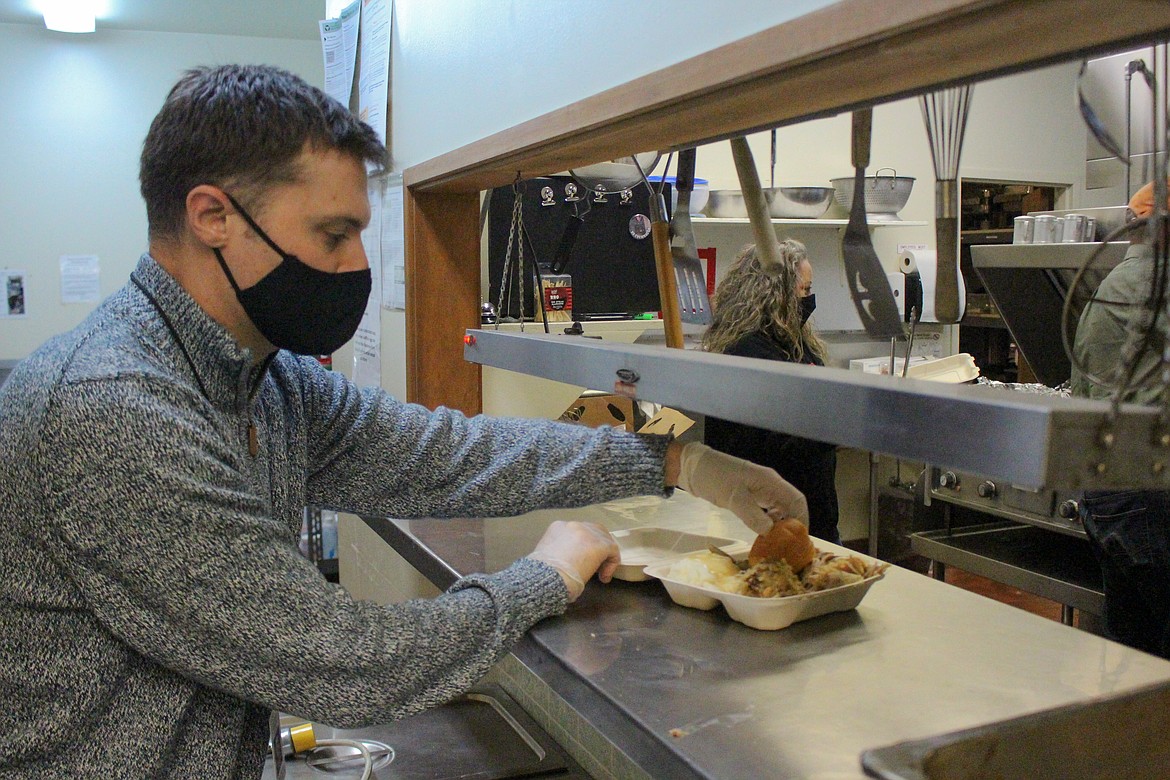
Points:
[(155, 462)]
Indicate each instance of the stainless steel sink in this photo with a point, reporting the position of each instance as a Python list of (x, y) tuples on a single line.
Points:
[(482, 735)]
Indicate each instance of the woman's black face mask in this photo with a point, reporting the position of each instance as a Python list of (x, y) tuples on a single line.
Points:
[(299, 308), (807, 304)]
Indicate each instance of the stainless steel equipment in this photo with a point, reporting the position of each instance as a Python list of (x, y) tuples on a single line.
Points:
[(1043, 744), (945, 114), (1055, 510), (867, 282), (798, 202), (1031, 539), (783, 202), (1029, 284)]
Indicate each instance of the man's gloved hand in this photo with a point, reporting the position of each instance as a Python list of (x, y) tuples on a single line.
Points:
[(577, 550), (757, 494)]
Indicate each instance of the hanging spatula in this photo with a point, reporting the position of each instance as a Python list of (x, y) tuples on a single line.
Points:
[(692, 286), (868, 284)]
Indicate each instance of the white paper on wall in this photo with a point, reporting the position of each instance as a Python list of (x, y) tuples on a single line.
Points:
[(374, 79), (393, 247), (80, 279), (339, 39), (367, 342)]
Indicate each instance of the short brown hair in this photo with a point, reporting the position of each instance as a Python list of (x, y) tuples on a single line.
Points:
[(242, 126)]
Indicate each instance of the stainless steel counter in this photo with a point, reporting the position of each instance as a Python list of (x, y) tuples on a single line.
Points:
[(685, 693)]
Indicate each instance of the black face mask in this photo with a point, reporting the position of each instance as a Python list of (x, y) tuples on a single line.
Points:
[(807, 304), (299, 308)]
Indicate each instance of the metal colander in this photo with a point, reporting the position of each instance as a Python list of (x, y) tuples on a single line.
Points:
[(885, 195)]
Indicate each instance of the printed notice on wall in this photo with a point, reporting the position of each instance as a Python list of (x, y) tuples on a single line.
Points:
[(80, 279), (393, 247), (15, 303), (339, 39), (367, 342), (374, 75)]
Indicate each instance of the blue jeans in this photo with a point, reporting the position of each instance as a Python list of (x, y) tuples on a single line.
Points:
[(1129, 531)]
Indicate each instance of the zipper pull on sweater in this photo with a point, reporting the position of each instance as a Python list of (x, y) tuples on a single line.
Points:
[(253, 440)]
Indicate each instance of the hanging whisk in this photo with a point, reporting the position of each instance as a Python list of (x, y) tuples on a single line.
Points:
[(945, 114)]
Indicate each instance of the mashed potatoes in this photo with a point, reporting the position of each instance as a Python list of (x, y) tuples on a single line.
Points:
[(708, 570)]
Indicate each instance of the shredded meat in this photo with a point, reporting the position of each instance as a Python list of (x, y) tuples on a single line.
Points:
[(773, 577)]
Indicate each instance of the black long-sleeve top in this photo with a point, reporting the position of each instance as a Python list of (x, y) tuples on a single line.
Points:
[(808, 464)]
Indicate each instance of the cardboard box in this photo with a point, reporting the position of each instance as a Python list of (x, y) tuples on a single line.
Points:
[(596, 410), (618, 411), (666, 421)]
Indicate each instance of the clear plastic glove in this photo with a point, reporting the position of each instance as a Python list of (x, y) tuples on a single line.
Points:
[(756, 494), (577, 551)]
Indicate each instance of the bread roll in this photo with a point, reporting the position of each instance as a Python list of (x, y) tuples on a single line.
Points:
[(787, 541)]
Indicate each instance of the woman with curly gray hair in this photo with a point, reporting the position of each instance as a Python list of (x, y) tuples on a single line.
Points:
[(764, 313)]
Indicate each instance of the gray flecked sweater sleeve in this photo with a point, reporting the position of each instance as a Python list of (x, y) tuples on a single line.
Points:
[(186, 563), (375, 455)]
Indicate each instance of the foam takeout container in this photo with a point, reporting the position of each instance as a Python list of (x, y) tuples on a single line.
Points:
[(955, 369), (765, 614), (650, 545)]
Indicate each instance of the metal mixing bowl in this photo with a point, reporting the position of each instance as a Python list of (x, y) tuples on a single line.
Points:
[(726, 203), (783, 202), (885, 196), (798, 202)]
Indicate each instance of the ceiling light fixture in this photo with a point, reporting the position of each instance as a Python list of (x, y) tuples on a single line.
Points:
[(71, 16)]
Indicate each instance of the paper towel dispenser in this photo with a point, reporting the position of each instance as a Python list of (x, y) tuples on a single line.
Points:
[(921, 269)]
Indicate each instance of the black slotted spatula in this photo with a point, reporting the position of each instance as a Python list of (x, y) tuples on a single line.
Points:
[(868, 285)]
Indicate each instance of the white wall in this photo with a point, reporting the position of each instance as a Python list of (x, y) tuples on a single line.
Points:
[(73, 113), (464, 70)]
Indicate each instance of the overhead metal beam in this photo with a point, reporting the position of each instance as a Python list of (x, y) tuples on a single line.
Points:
[(1026, 439)]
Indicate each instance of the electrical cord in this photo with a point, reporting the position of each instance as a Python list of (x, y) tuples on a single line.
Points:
[(368, 770), (302, 741)]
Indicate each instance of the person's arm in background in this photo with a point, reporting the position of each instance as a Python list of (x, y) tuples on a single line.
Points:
[(1104, 328)]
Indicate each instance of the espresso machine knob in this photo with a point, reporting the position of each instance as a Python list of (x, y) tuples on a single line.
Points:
[(987, 489), (1068, 509), (948, 479)]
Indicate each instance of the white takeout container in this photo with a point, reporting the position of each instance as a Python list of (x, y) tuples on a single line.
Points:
[(765, 614), (649, 545), (954, 369)]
